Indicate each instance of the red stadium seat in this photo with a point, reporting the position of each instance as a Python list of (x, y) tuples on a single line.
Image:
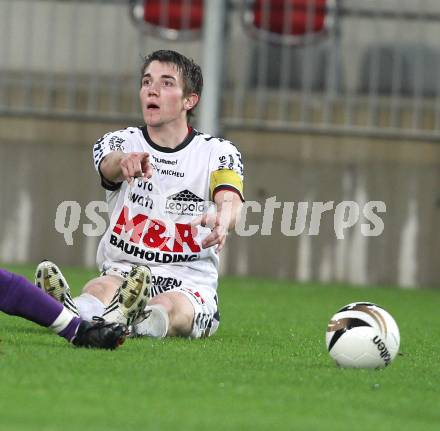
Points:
[(287, 21), (169, 19)]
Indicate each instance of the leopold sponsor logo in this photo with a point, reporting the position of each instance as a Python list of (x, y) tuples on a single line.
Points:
[(184, 207), (185, 203)]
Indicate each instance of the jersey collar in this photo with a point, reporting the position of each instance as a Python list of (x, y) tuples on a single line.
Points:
[(189, 137)]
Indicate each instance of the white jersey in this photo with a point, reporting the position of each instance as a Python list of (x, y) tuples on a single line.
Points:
[(150, 220)]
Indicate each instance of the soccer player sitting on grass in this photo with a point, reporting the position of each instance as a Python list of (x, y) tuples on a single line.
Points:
[(19, 297), (173, 194)]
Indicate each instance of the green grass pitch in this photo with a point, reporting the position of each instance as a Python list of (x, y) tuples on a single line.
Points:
[(266, 369)]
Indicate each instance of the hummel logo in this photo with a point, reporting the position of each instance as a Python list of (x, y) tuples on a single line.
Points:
[(185, 196)]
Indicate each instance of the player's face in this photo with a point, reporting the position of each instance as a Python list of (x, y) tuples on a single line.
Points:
[(161, 95)]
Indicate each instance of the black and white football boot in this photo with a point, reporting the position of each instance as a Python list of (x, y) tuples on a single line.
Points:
[(49, 278), (131, 298)]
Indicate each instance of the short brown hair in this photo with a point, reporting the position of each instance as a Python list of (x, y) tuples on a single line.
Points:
[(191, 72)]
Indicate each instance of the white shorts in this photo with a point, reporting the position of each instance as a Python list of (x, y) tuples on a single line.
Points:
[(204, 301)]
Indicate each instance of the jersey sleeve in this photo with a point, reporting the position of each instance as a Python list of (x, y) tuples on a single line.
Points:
[(226, 170), (110, 142)]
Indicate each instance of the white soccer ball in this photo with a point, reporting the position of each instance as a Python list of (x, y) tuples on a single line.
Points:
[(362, 335)]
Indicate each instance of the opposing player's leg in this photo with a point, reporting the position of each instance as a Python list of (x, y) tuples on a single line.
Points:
[(19, 297)]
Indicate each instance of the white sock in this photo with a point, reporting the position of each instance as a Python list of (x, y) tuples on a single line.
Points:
[(156, 324), (89, 306), (62, 321)]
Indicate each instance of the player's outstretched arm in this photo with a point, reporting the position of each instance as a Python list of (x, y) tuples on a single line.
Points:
[(118, 167), (228, 205)]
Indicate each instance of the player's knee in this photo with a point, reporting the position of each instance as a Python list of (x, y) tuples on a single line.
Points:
[(93, 288), (182, 321), (162, 300), (180, 313), (101, 288)]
